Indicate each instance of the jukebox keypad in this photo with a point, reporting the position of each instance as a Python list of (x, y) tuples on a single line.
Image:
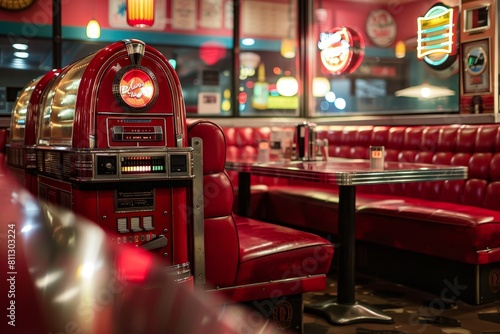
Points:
[(134, 224)]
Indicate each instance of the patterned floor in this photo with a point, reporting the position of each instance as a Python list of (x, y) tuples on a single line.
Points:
[(413, 311)]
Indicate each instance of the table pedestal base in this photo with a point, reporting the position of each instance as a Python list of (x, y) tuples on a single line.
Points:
[(342, 314)]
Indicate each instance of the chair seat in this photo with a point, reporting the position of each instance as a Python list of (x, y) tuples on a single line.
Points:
[(272, 252)]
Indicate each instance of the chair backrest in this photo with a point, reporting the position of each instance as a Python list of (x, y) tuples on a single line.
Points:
[(222, 250)]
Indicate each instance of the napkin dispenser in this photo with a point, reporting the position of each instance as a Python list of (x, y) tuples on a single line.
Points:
[(305, 141)]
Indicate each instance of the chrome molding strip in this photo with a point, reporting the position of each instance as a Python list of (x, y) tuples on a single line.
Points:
[(198, 213)]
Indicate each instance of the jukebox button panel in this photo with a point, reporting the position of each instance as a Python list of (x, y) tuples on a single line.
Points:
[(133, 132), (172, 164)]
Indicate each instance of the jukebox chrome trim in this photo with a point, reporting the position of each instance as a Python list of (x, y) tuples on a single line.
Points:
[(179, 272), (198, 213)]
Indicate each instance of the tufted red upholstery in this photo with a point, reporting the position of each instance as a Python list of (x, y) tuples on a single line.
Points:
[(242, 144), (425, 217), (241, 251)]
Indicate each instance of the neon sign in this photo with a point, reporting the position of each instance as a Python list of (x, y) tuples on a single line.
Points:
[(341, 50), (436, 35)]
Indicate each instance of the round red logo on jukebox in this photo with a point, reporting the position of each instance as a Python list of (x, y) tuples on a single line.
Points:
[(135, 88)]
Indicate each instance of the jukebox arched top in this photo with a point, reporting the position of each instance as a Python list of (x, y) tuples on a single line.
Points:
[(59, 105), (125, 95)]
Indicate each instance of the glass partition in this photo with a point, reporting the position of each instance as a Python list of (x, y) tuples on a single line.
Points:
[(269, 80), (365, 60), (290, 58)]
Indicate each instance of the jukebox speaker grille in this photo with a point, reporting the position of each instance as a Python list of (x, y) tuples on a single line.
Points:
[(15, 157), (52, 163), (66, 166), (39, 161)]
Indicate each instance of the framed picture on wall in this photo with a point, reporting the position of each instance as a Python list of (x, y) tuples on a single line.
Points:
[(477, 76)]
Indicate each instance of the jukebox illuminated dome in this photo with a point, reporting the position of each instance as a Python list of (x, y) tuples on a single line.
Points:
[(123, 78)]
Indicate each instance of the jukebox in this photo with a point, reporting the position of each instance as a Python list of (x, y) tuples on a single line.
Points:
[(21, 155), (111, 146)]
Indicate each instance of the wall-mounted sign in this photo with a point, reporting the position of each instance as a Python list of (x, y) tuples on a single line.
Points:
[(477, 19), (476, 76), (341, 50), (437, 35), (381, 27), (135, 88), (15, 5)]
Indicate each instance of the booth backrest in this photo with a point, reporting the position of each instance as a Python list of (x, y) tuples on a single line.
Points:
[(475, 146)]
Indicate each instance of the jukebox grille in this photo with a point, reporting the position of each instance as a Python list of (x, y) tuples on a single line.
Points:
[(39, 160), (15, 157), (67, 170), (52, 164)]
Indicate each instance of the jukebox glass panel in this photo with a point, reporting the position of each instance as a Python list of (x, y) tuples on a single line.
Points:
[(56, 123), (19, 112)]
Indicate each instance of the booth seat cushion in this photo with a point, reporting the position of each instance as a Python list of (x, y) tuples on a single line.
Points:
[(449, 230)]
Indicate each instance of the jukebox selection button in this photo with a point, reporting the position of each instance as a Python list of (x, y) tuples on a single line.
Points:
[(178, 163), (121, 224), (134, 224), (106, 165), (147, 223)]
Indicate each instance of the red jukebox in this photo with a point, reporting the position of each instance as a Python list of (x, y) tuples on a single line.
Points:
[(112, 146), (21, 156)]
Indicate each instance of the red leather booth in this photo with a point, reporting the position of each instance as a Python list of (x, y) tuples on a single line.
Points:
[(440, 230)]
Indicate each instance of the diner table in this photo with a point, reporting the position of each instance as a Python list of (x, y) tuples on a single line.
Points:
[(346, 174)]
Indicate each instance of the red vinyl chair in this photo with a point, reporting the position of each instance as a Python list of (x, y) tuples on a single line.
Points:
[(262, 264)]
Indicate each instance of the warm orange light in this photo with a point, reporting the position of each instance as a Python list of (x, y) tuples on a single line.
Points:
[(93, 29), (287, 48), (140, 13), (400, 49)]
